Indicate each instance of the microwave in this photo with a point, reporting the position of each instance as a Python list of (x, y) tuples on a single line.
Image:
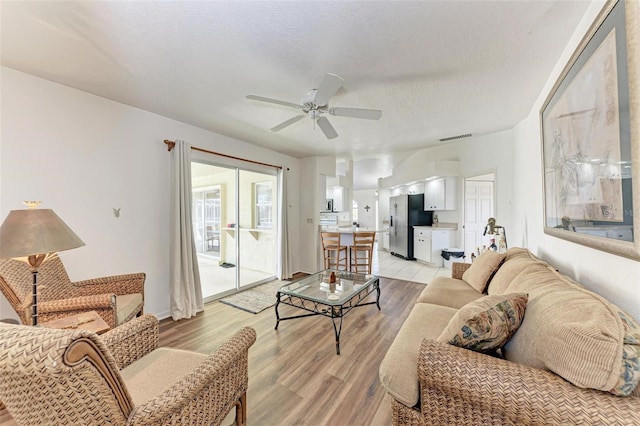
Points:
[(328, 206)]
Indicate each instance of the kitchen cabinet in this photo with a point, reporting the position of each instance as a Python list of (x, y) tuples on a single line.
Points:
[(422, 245), (385, 240), (441, 193), (429, 242)]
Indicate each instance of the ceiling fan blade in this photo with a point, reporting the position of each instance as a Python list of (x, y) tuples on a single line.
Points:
[(287, 123), (329, 86), (369, 114), (327, 128), (272, 101)]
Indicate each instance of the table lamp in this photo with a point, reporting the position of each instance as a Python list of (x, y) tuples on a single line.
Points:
[(35, 234)]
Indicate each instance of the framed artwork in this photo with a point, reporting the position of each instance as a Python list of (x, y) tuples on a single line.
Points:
[(590, 127)]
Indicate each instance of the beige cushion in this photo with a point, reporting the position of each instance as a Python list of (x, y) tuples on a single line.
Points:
[(567, 329), (154, 373), (511, 268), (486, 324), (126, 306), (482, 269), (522, 253), (449, 292), (399, 368)]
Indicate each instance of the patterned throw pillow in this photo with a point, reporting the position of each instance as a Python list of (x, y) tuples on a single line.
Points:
[(486, 324), (630, 371)]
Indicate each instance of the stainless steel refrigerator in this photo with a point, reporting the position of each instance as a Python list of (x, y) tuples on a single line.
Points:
[(406, 211)]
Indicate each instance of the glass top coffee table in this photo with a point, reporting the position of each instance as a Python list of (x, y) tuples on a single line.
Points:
[(315, 295)]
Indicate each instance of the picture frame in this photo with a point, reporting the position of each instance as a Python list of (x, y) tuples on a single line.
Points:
[(590, 135)]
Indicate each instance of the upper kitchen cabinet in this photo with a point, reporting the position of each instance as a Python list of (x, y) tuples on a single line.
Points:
[(441, 194)]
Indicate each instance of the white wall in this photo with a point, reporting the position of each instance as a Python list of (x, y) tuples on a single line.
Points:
[(310, 207), (614, 277), (366, 197), (82, 155)]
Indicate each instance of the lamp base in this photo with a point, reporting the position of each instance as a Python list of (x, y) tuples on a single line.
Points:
[(34, 303)]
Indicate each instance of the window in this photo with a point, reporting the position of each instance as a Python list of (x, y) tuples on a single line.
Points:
[(263, 198)]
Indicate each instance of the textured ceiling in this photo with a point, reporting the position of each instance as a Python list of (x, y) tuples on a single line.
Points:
[(435, 68)]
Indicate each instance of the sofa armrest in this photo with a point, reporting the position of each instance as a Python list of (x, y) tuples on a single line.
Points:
[(457, 383), (133, 339), (213, 388), (116, 284), (458, 268)]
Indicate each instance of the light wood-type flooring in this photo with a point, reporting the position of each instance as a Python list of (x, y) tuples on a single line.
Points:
[(295, 376)]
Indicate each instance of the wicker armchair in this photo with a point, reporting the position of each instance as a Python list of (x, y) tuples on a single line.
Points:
[(64, 377), (116, 299)]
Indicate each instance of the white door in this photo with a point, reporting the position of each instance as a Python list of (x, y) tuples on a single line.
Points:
[(478, 208)]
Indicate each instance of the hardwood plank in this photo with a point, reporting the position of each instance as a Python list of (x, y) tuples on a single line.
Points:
[(295, 376)]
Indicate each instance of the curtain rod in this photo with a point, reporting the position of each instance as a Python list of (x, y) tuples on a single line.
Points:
[(171, 144)]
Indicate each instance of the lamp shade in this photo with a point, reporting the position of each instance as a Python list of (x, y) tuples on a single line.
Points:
[(32, 232)]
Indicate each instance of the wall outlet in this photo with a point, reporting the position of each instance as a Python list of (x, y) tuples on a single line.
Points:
[(309, 220)]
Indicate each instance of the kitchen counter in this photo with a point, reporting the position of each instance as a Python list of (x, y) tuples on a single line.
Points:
[(443, 226), (348, 229), (346, 232)]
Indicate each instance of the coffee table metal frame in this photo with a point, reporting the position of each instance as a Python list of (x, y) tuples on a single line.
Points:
[(333, 309)]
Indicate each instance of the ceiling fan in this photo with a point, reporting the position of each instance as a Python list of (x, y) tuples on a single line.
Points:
[(315, 103)]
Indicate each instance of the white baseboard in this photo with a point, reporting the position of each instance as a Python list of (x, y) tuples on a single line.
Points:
[(161, 315)]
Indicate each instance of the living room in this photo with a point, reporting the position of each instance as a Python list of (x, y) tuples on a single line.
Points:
[(85, 155)]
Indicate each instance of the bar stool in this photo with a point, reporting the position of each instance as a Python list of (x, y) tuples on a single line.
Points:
[(362, 243), (332, 251)]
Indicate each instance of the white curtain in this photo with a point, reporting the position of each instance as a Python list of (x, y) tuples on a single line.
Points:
[(184, 276), (284, 253)]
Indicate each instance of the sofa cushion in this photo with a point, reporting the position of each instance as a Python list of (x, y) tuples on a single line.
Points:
[(511, 268), (481, 270), (449, 292), (486, 324), (569, 330), (399, 368), (521, 253)]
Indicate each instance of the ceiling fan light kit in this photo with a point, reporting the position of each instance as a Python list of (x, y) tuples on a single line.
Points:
[(315, 103)]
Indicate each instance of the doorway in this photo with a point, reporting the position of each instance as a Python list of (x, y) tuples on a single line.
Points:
[(479, 201), (234, 229)]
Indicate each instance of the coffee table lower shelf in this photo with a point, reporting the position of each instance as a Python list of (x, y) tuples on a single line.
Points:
[(335, 311)]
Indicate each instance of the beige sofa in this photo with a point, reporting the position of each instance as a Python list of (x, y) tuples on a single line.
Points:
[(558, 367)]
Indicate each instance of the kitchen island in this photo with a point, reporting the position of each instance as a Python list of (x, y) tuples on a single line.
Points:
[(346, 232)]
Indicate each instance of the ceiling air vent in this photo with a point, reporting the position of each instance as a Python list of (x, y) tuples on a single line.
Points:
[(453, 138)]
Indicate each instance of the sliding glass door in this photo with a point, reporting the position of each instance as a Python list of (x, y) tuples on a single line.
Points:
[(234, 227), (213, 194), (257, 233)]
